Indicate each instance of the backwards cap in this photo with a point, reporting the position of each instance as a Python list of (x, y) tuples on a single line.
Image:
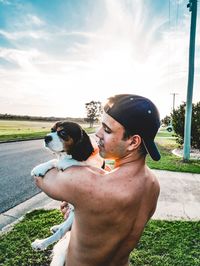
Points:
[(138, 115)]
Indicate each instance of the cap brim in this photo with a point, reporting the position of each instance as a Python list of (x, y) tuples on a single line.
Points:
[(152, 150)]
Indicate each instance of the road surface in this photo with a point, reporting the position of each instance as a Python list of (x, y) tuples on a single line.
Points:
[(16, 161)]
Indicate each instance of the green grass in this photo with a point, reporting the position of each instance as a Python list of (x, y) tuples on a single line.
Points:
[(15, 246), (168, 243), (164, 133), (164, 243), (17, 130), (21, 130), (171, 162)]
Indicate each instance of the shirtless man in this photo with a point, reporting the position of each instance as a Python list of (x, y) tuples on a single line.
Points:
[(111, 208)]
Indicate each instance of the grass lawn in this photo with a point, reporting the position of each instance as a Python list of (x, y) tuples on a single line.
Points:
[(19, 130), (163, 243), (168, 160), (168, 243), (165, 133)]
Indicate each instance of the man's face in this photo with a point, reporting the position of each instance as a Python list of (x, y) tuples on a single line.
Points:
[(111, 143)]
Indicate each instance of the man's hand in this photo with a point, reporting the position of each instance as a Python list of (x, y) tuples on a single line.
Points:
[(108, 168), (38, 180), (65, 209)]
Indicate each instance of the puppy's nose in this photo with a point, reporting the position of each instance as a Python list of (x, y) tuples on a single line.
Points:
[(47, 139)]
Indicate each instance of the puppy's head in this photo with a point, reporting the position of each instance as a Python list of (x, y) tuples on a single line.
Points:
[(69, 137)]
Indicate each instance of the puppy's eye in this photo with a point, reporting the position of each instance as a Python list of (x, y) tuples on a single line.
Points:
[(53, 129), (62, 133)]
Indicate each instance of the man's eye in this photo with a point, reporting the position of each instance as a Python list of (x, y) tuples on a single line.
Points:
[(107, 130)]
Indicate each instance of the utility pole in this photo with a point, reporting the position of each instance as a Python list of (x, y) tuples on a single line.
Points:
[(174, 96), (192, 5)]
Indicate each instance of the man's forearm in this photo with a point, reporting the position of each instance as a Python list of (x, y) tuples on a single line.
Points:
[(49, 184)]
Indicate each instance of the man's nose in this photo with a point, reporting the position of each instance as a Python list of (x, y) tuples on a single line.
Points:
[(98, 132), (47, 139)]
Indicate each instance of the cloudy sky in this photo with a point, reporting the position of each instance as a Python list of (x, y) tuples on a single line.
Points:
[(56, 55)]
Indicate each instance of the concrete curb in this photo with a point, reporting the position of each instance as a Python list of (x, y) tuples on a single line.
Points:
[(19, 140), (41, 201), (193, 155)]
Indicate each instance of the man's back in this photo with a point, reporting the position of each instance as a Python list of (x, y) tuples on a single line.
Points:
[(111, 216), (111, 209)]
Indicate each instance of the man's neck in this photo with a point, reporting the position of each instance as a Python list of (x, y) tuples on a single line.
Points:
[(130, 158)]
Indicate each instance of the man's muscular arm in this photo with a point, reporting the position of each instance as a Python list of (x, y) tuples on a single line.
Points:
[(71, 185), (63, 186)]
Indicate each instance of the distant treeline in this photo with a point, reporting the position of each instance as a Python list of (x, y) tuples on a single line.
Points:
[(40, 118)]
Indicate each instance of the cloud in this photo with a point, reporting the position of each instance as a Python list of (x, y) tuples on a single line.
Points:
[(34, 20), (130, 55), (14, 36), (132, 50), (22, 58)]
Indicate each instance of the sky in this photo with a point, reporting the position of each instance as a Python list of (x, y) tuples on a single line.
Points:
[(57, 55)]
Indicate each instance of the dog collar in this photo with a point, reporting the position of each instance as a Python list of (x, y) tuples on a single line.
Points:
[(95, 152), (104, 164)]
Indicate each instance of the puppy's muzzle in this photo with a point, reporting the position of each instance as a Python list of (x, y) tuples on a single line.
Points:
[(47, 139)]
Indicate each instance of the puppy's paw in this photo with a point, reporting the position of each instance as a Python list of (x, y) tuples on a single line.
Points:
[(39, 170), (54, 228), (38, 245), (43, 168)]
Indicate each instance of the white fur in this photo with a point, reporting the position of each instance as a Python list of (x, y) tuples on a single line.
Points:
[(64, 161), (61, 229), (56, 144), (59, 251)]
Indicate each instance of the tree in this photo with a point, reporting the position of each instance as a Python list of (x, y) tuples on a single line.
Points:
[(166, 120), (94, 110), (178, 118)]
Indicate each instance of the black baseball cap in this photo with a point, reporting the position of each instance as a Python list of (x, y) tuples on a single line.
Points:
[(139, 116)]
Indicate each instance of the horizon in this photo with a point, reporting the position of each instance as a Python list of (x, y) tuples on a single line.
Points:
[(56, 56), (33, 116)]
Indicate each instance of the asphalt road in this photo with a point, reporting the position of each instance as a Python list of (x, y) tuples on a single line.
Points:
[(16, 161)]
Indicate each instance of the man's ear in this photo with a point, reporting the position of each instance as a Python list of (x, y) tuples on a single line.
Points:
[(134, 142)]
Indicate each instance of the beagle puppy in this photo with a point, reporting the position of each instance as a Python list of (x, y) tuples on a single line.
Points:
[(73, 146)]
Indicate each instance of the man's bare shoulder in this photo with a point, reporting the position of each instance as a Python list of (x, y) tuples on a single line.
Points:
[(83, 172), (152, 177), (137, 179), (81, 176)]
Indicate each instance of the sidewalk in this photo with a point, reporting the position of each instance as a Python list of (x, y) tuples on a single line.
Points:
[(179, 200), (179, 196)]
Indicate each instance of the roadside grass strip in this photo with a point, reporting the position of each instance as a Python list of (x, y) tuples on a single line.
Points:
[(164, 243)]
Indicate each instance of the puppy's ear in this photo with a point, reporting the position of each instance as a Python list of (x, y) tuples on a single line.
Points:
[(55, 126), (82, 150)]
